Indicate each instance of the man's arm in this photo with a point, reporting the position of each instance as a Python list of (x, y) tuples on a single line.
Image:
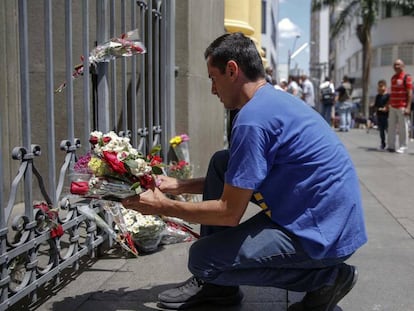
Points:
[(176, 186), (226, 211), (409, 101)]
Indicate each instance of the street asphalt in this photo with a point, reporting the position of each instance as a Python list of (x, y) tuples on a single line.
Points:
[(114, 282)]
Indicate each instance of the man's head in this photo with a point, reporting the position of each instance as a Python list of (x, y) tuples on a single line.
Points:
[(233, 64), (239, 48), (398, 66)]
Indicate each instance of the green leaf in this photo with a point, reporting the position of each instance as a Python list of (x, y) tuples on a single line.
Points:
[(157, 170), (156, 149), (135, 185)]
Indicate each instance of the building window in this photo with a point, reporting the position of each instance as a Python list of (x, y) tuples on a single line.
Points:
[(388, 10), (405, 53), (374, 54), (386, 56)]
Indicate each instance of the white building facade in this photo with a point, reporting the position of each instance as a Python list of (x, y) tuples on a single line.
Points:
[(391, 40)]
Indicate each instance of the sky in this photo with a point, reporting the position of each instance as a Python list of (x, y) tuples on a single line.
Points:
[(294, 19)]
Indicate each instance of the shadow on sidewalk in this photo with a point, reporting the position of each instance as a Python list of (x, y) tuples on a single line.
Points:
[(144, 299)]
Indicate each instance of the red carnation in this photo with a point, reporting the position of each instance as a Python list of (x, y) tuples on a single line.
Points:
[(155, 160), (106, 139), (112, 160)]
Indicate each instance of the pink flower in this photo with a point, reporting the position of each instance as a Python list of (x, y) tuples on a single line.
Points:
[(184, 137)]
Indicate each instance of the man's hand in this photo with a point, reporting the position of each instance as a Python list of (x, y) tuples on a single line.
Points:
[(149, 202), (168, 184)]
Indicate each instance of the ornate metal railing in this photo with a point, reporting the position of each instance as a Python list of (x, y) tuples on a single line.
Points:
[(41, 231)]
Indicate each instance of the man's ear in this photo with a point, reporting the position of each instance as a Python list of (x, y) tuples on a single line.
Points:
[(232, 68)]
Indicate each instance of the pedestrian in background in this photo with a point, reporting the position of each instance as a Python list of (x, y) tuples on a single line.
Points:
[(269, 75), (327, 90), (381, 110), (344, 104), (308, 93), (294, 87), (399, 106)]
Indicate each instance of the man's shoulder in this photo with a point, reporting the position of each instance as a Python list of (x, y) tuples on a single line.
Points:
[(408, 79)]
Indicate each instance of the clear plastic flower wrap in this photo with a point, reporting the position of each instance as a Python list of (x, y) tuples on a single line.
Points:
[(122, 238), (177, 231)]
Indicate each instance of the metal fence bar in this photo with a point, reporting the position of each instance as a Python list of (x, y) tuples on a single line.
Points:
[(50, 106), (156, 92), (134, 113), (4, 277), (113, 88), (124, 83), (69, 69), (143, 130), (24, 93), (102, 34), (86, 75), (150, 68)]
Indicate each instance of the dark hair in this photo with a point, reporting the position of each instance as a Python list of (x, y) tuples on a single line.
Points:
[(382, 81), (239, 48)]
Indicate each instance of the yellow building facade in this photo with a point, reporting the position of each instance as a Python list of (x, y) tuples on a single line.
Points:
[(245, 16)]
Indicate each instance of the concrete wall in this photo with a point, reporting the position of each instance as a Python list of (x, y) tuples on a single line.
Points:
[(9, 91), (198, 112)]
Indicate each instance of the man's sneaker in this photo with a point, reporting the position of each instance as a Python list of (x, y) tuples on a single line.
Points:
[(195, 292), (326, 298)]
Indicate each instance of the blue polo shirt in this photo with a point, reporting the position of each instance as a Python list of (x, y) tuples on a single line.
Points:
[(300, 172)]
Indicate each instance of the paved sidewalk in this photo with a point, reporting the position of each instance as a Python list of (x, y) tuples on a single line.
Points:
[(386, 263)]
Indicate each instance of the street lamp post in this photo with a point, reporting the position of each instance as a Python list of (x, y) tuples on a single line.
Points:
[(290, 54)]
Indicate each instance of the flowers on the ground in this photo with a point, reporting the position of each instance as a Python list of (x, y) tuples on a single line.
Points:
[(146, 230)]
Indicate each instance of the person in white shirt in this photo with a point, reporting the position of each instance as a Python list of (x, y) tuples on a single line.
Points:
[(327, 90), (308, 94)]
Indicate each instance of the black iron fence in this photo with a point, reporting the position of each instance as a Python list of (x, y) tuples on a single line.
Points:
[(63, 96)]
